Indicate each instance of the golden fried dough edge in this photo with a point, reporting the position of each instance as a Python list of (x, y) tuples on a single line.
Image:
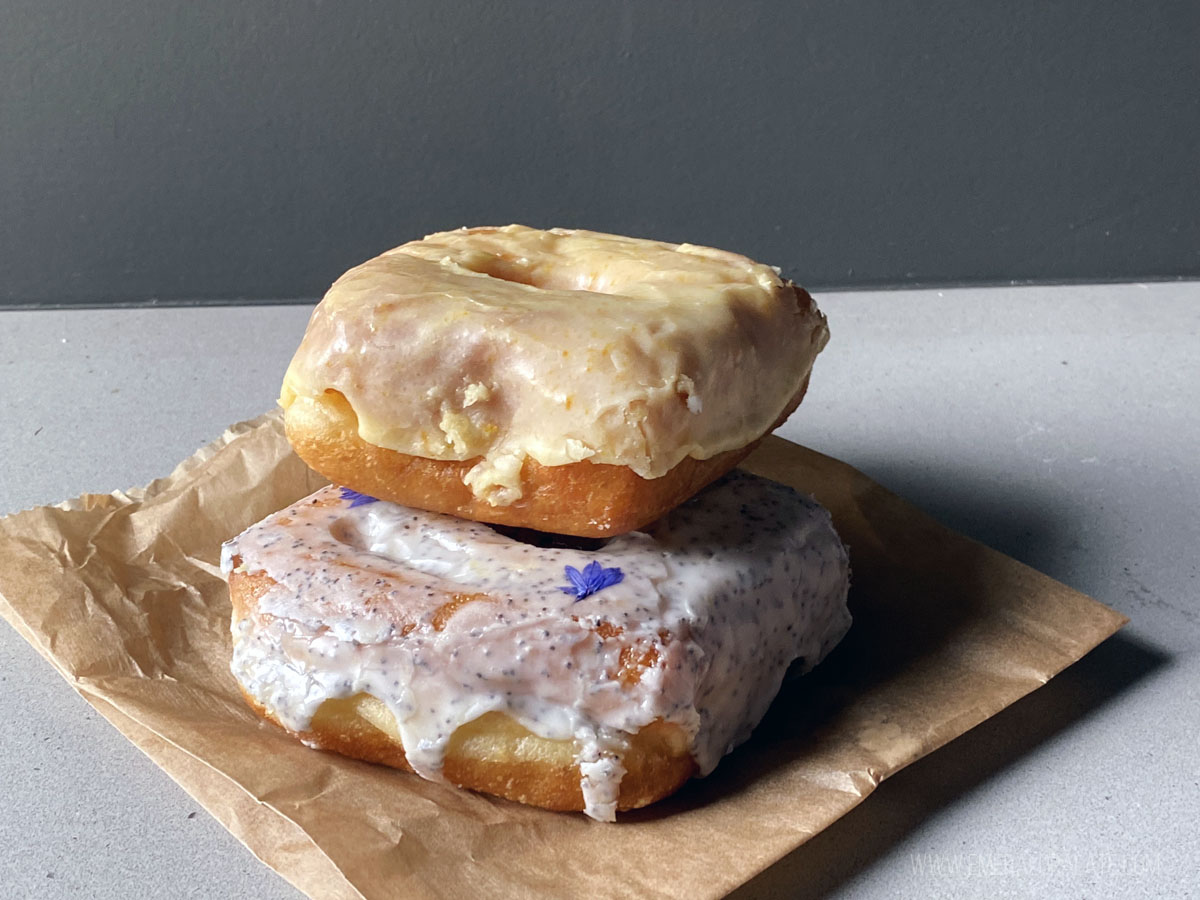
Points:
[(493, 754), (584, 499)]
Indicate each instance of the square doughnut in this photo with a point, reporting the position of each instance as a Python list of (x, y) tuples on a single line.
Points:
[(595, 678), (567, 381)]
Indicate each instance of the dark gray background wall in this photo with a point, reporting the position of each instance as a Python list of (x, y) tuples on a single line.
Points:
[(182, 150)]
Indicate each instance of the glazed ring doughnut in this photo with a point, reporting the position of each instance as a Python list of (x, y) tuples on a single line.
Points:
[(568, 381), (573, 679)]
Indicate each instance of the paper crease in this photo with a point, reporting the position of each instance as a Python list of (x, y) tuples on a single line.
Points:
[(120, 592)]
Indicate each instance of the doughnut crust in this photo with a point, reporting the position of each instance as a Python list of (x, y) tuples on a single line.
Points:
[(444, 647), (492, 754), (569, 381), (584, 499)]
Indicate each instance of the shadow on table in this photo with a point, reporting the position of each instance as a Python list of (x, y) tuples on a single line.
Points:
[(1034, 524), (919, 791), (1030, 528)]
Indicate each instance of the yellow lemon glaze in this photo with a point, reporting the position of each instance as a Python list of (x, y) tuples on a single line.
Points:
[(502, 344)]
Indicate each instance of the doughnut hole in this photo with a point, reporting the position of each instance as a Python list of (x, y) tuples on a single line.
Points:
[(552, 274)]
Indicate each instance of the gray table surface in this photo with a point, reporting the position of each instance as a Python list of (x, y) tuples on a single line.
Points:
[(1058, 425)]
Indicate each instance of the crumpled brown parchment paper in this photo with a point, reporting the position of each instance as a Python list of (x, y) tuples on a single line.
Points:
[(122, 594)]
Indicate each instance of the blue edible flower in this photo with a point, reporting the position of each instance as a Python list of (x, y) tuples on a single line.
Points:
[(357, 499), (594, 577)]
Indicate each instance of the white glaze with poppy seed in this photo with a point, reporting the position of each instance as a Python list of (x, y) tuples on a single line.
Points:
[(726, 591)]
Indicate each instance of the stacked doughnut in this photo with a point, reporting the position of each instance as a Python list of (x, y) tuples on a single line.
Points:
[(536, 575)]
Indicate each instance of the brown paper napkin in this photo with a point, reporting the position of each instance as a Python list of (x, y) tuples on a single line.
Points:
[(122, 594)]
